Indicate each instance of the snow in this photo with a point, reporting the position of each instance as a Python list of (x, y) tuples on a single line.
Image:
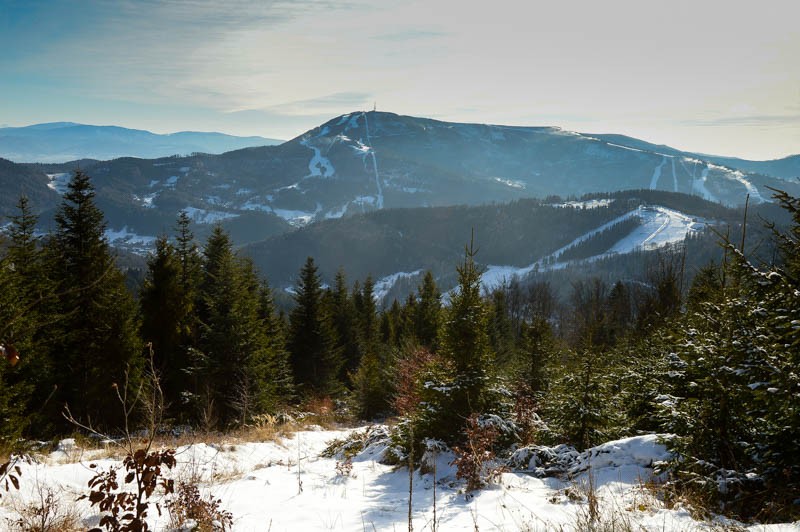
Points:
[(736, 175), (295, 218), (287, 485), (625, 147), (510, 182), (251, 205), (374, 164), (657, 174), (674, 176), (127, 237), (588, 204), (660, 227), (336, 213), (59, 182), (153, 183), (384, 284), (203, 216), (172, 181), (699, 185), (319, 166), (146, 200)]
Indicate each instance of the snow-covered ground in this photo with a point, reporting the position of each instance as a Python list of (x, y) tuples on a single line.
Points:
[(287, 486)]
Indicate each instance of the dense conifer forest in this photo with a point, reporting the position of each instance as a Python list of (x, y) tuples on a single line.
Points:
[(713, 363)]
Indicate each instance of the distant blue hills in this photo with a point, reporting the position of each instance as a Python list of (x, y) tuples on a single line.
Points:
[(58, 142)]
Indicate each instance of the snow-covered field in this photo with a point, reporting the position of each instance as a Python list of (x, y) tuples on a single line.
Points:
[(288, 485)]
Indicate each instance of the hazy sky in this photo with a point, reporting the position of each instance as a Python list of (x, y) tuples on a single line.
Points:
[(719, 76)]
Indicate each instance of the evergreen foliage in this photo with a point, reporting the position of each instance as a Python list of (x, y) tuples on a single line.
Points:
[(316, 359), (98, 345)]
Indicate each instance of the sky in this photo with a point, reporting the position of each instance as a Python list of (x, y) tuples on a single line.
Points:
[(710, 76)]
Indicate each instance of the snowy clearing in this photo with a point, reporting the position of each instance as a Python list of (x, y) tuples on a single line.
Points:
[(127, 237), (59, 182), (588, 204), (384, 284), (660, 227), (203, 216), (287, 485)]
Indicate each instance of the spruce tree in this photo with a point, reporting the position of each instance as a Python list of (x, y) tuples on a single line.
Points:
[(465, 388), (342, 310), (29, 312), (316, 360), (236, 371), (427, 313), (164, 313), (98, 345)]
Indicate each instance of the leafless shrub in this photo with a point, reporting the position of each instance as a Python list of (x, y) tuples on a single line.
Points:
[(46, 514), (474, 460), (189, 509)]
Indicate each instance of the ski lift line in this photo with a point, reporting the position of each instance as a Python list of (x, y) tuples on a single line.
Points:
[(374, 162)]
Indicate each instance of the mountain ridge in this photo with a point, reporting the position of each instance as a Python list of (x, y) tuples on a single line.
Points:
[(60, 142)]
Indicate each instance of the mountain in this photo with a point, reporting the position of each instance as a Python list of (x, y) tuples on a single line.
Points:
[(785, 168), (67, 141), (523, 237), (368, 161)]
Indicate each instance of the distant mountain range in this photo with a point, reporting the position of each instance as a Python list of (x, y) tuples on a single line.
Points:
[(59, 142), (370, 161)]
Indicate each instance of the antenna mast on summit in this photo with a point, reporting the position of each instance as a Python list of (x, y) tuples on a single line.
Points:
[(374, 106)]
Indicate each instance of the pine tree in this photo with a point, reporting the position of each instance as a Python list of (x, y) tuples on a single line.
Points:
[(99, 347), (316, 361)]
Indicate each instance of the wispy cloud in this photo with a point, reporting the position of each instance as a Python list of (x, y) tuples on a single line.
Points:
[(788, 120)]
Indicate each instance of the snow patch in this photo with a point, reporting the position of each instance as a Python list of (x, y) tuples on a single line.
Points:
[(146, 201), (172, 181), (736, 175), (336, 213), (510, 182), (127, 237), (295, 218), (203, 216), (588, 204), (657, 174), (59, 182), (374, 164), (385, 284), (319, 166)]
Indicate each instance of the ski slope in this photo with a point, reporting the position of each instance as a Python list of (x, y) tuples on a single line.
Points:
[(659, 227)]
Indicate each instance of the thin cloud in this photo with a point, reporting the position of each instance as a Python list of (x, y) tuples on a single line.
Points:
[(747, 121)]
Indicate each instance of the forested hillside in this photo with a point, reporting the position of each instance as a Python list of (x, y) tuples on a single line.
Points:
[(711, 363)]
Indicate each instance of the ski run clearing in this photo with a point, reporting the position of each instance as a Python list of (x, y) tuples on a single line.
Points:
[(260, 484), (659, 227)]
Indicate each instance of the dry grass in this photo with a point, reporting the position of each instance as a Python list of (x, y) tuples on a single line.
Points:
[(47, 513)]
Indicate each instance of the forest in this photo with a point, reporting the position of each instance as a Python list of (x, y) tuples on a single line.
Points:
[(712, 365)]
